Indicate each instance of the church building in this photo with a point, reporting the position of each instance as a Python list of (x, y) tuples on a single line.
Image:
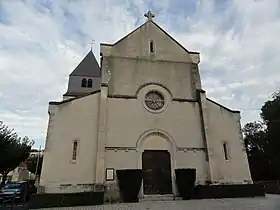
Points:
[(143, 108)]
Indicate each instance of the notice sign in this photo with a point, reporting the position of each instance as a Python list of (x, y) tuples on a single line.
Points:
[(109, 174)]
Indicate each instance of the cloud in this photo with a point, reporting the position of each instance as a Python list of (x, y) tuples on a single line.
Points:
[(41, 42), (239, 51)]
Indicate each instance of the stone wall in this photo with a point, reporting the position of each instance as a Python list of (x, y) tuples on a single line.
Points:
[(112, 193), (75, 120), (223, 127)]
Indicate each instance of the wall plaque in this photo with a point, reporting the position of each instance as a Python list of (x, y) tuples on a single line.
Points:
[(109, 174)]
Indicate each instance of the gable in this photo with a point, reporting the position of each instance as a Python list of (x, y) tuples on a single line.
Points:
[(137, 45)]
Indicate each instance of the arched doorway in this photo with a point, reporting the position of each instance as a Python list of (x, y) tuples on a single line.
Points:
[(156, 167), (157, 150)]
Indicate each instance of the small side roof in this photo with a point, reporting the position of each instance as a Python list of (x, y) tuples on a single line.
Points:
[(222, 106), (72, 99), (88, 67)]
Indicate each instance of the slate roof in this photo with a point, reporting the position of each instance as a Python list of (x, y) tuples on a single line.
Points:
[(87, 67)]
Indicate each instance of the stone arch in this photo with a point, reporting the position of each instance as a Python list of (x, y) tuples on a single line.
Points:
[(157, 132), (153, 84), (167, 138)]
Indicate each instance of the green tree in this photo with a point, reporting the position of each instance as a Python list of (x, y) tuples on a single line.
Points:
[(270, 113), (32, 164), (262, 141), (256, 145), (13, 150)]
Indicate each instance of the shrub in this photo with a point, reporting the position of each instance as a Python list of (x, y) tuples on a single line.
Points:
[(228, 191), (39, 201), (185, 179), (129, 181)]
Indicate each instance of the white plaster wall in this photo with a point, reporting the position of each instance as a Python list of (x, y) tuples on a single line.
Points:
[(132, 64), (128, 119), (118, 159), (132, 158), (156, 142), (121, 159), (224, 125), (191, 159), (128, 75), (74, 120), (136, 45), (131, 125)]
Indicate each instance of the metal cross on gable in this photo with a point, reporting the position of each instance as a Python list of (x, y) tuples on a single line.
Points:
[(149, 15), (92, 44)]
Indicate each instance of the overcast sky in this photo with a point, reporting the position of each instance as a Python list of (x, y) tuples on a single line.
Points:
[(41, 42)]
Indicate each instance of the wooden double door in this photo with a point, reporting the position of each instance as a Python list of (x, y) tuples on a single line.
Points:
[(156, 167)]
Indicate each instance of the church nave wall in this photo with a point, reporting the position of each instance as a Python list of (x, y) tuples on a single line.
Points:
[(71, 121), (129, 75), (193, 159), (230, 164), (128, 119), (136, 45)]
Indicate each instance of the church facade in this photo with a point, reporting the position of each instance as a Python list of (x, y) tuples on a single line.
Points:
[(142, 108)]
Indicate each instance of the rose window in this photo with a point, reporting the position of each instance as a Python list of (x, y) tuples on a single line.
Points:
[(154, 100)]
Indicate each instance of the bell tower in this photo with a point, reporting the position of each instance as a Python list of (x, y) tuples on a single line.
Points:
[(85, 78)]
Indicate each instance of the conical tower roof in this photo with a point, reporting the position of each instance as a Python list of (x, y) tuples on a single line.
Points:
[(88, 67)]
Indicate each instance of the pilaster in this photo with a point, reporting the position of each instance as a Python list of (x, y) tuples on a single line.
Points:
[(102, 129), (201, 96)]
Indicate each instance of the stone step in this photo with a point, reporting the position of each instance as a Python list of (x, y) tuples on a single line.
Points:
[(168, 197)]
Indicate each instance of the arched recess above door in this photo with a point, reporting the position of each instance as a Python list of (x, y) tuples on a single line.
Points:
[(155, 132)]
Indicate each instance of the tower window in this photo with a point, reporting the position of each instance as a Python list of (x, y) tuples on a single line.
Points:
[(84, 82), (152, 47), (225, 147), (89, 84), (74, 152)]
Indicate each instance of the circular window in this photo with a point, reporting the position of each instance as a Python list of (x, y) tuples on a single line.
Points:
[(154, 100)]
